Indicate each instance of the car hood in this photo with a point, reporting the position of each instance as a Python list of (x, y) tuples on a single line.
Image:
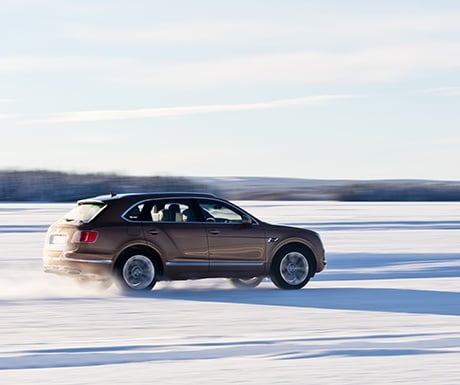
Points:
[(290, 229)]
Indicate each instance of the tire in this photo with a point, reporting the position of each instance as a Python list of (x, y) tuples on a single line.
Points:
[(248, 283), (292, 268), (136, 271)]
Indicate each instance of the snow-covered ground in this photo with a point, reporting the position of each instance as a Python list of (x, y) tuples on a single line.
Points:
[(386, 310)]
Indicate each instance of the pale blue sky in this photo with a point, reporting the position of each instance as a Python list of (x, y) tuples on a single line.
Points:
[(287, 88)]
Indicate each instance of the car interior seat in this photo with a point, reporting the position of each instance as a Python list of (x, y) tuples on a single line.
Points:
[(175, 214)]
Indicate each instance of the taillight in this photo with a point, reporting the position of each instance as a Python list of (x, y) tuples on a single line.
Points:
[(85, 236)]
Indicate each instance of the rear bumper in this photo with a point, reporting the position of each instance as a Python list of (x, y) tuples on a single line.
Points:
[(87, 268)]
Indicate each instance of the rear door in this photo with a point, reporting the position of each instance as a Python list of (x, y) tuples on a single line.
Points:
[(169, 227)]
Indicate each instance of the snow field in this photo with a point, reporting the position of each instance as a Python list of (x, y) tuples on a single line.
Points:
[(386, 310)]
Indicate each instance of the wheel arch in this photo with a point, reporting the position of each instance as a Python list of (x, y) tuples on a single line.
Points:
[(141, 248), (297, 244)]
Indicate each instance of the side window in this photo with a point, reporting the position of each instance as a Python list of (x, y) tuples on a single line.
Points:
[(172, 210), (135, 213), (214, 211)]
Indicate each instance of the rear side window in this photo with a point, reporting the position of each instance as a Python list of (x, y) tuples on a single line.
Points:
[(83, 213), (135, 213), (162, 210)]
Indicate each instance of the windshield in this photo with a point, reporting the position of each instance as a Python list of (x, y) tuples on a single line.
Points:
[(84, 212)]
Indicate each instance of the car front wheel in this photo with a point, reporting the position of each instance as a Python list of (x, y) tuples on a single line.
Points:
[(136, 272), (291, 268)]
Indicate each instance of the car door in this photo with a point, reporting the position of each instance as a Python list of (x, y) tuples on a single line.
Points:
[(236, 242), (181, 241)]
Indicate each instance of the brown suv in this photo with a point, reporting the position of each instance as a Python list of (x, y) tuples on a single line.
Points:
[(140, 239)]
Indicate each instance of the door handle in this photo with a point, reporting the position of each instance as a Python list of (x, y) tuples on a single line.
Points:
[(214, 232), (154, 232)]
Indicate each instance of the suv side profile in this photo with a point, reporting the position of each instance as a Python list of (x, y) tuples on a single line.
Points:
[(137, 240)]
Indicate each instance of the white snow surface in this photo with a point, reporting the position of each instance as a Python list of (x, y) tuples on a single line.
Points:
[(386, 310)]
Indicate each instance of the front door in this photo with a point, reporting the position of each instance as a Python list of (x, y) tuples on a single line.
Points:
[(236, 242)]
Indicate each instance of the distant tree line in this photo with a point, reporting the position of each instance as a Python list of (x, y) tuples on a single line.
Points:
[(340, 190), (49, 186), (423, 191)]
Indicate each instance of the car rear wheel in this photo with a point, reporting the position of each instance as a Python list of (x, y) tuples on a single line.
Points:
[(136, 271), (247, 283), (291, 268)]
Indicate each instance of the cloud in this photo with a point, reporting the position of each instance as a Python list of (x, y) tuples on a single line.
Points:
[(444, 91), (56, 63), (309, 28), (374, 65), (7, 116), (143, 113), (4, 116)]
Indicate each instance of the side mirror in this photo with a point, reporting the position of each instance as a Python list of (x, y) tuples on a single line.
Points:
[(246, 221)]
